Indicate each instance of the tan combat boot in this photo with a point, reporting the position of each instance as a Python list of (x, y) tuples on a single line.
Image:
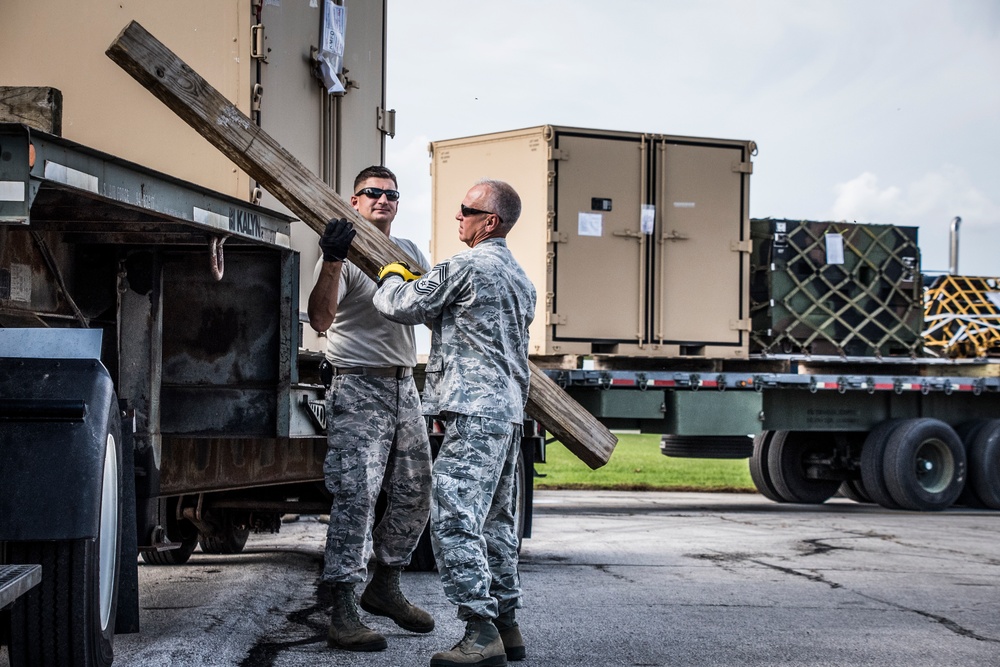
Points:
[(510, 634), (347, 632), (383, 597), (481, 647)]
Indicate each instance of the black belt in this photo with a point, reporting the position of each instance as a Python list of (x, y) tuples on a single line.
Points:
[(397, 372)]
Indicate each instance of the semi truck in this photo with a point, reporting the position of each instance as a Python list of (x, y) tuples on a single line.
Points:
[(159, 383), (800, 345)]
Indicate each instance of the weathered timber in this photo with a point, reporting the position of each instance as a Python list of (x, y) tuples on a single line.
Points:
[(213, 116), (35, 106)]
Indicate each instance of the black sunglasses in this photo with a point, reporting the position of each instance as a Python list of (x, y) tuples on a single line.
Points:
[(376, 193), (466, 212)]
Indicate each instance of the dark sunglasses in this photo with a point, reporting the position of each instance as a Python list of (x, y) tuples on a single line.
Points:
[(466, 212), (376, 193)]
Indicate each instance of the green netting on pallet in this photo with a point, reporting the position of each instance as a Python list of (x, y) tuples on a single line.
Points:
[(962, 316), (835, 288)]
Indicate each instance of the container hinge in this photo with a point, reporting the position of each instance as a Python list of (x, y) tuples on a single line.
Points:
[(739, 325), (741, 246), (558, 237), (551, 319), (558, 153), (387, 121), (257, 42), (743, 167)]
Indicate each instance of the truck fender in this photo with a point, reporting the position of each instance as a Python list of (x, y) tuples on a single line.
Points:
[(55, 417)]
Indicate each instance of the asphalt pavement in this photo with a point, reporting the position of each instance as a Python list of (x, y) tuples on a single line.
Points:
[(632, 579)]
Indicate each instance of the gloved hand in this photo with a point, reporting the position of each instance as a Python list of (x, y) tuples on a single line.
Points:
[(401, 269), (336, 239)]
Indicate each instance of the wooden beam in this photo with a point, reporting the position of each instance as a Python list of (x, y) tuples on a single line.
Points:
[(38, 107), (213, 116)]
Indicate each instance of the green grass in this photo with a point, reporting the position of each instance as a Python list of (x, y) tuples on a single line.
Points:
[(637, 464)]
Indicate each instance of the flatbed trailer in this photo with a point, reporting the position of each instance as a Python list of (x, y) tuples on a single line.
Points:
[(799, 344), (916, 434)]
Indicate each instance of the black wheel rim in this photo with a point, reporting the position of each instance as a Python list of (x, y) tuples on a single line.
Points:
[(934, 466)]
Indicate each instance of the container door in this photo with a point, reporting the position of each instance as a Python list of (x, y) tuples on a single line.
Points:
[(699, 284), (599, 248), (334, 136)]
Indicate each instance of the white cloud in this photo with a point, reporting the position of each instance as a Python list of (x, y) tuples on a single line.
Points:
[(930, 203), (936, 195), (862, 199)]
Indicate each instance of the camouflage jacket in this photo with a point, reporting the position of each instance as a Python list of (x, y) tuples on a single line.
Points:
[(478, 304)]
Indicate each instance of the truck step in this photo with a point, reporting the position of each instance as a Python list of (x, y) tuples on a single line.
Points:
[(16, 580)]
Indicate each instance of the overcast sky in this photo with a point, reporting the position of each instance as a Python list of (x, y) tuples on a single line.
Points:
[(882, 111)]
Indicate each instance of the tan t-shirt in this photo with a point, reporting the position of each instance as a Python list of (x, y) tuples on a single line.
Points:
[(359, 335)]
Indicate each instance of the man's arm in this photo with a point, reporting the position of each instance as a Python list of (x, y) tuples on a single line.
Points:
[(323, 300), (324, 297), (422, 300)]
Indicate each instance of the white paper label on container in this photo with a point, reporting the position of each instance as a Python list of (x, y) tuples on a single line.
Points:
[(12, 190), (834, 249), (683, 204), (71, 177), (589, 224), (648, 218)]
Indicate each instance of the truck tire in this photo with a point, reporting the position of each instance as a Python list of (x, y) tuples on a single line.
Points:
[(422, 559), (984, 464), (968, 432), (177, 530), (854, 489), (925, 465), (759, 471), (520, 479), (69, 618), (706, 446), (788, 459), (872, 466), (178, 556), (230, 539)]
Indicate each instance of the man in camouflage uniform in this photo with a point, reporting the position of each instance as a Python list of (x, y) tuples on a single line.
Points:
[(376, 434), (479, 304)]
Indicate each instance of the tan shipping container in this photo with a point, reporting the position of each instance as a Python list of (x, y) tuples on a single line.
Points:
[(258, 54), (638, 244)]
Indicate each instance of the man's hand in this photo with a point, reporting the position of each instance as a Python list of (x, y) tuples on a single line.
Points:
[(336, 239), (401, 269)]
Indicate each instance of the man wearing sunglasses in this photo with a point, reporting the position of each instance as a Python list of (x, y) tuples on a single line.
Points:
[(376, 434), (478, 304)]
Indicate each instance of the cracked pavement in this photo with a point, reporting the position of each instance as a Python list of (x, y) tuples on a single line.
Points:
[(629, 578)]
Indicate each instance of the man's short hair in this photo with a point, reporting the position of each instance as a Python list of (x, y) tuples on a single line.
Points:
[(375, 171), (504, 201)]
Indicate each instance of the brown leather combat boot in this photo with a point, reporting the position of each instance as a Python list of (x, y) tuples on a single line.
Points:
[(510, 634), (481, 647), (347, 632), (383, 597)]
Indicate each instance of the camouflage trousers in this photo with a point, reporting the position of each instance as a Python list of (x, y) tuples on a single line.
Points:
[(472, 515), (376, 439)]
